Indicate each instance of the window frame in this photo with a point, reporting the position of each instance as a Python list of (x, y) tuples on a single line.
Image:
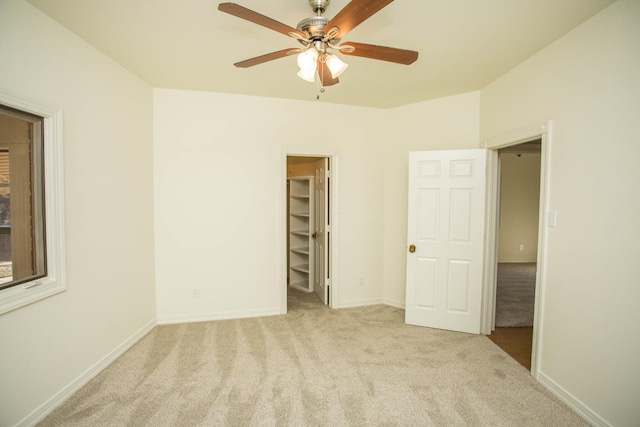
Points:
[(54, 281)]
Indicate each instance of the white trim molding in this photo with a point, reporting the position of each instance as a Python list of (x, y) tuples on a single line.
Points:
[(571, 401), (224, 315), (543, 131), (394, 303), (518, 136), (362, 303), (55, 280)]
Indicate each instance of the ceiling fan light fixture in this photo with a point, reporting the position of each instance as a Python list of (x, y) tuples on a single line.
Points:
[(307, 75), (336, 65), (318, 34), (308, 60)]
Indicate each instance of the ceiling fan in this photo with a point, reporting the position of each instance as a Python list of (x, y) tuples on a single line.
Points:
[(319, 35)]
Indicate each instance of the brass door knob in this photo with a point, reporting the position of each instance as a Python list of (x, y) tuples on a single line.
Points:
[(412, 248)]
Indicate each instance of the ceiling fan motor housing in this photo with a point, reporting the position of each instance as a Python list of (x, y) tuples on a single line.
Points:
[(314, 27)]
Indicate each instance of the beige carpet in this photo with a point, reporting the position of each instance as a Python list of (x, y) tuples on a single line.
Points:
[(515, 294), (313, 367)]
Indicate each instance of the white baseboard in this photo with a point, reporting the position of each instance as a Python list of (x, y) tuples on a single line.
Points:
[(394, 303), (360, 303), (574, 403), (56, 400), (225, 315)]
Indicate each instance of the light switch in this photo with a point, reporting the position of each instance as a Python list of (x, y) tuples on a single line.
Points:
[(551, 218)]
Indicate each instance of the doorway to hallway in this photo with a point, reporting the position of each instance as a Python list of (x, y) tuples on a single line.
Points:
[(518, 223)]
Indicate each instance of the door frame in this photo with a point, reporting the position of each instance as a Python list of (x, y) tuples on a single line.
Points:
[(332, 155), (543, 132)]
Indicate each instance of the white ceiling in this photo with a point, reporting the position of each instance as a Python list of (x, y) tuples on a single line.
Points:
[(189, 44)]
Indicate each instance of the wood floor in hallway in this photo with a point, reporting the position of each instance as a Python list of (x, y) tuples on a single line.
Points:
[(516, 342)]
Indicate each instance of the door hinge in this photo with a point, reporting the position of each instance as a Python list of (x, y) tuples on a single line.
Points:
[(327, 228)]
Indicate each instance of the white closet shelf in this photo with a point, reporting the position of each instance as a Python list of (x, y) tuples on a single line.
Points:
[(302, 285), (301, 227), (304, 268)]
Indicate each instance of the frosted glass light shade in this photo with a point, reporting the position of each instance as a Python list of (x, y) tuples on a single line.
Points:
[(308, 60), (308, 74), (336, 66)]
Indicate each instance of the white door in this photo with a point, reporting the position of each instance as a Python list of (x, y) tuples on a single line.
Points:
[(446, 239), (320, 232)]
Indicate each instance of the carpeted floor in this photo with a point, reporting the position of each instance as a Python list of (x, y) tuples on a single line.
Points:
[(515, 294), (313, 367)]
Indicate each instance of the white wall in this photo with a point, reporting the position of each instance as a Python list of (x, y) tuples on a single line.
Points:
[(519, 207), (109, 212), (219, 158), (441, 124), (219, 174), (588, 83)]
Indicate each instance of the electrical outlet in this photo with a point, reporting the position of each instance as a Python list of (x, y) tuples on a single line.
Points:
[(361, 281), (522, 247), (195, 293)]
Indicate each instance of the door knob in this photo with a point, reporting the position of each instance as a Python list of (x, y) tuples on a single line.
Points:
[(412, 248)]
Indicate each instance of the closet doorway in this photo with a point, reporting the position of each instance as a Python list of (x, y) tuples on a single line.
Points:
[(308, 230)]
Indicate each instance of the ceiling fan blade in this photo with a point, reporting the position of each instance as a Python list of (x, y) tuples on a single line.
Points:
[(353, 14), (383, 53), (325, 74), (266, 58), (256, 18)]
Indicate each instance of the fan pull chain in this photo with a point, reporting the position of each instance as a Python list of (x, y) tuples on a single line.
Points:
[(321, 72)]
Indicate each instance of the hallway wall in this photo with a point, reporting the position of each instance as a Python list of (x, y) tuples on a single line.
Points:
[(588, 84), (519, 207)]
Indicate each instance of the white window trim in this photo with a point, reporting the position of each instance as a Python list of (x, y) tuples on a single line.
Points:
[(55, 280)]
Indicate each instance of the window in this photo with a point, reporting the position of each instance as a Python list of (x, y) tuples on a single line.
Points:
[(22, 254), (31, 220)]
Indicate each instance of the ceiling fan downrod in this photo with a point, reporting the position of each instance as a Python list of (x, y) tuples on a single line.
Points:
[(319, 6)]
